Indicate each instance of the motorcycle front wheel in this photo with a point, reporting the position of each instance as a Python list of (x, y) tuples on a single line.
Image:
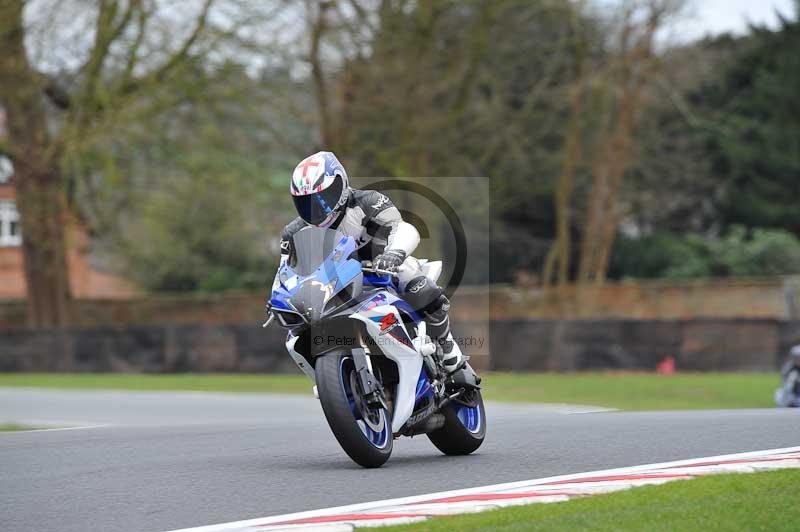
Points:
[(464, 428), (364, 432)]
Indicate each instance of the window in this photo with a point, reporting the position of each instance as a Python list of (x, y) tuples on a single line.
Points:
[(6, 169), (10, 234)]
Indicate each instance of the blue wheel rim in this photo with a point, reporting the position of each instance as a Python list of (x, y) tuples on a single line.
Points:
[(470, 417), (379, 439)]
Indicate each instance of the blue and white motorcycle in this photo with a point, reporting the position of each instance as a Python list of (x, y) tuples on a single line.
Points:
[(368, 354)]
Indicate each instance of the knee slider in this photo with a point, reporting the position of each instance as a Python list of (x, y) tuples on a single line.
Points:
[(437, 310)]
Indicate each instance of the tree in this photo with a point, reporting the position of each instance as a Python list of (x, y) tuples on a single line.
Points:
[(717, 152), (754, 144), (205, 195), (630, 72), (665, 254), (51, 115), (558, 259), (718, 147), (440, 88)]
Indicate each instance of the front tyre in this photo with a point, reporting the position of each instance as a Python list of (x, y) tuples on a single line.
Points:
[(364, 432), (464, 427)]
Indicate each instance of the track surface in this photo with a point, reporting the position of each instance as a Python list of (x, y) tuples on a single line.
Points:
[(173, 460)]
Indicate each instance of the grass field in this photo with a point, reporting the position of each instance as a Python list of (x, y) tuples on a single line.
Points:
[(756, 501), (14, 427), (627, 391)]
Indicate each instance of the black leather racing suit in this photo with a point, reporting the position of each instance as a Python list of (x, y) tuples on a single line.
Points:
[(376, 225)]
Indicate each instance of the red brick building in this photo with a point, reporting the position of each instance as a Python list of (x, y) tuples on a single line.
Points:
[(86, 280)]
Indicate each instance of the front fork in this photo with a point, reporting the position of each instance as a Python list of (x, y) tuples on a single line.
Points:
[(370, 385)]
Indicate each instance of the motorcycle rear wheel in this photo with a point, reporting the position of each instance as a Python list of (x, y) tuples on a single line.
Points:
[(364, 433)]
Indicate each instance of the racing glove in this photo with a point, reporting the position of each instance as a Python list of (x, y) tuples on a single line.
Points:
[(389, 260)]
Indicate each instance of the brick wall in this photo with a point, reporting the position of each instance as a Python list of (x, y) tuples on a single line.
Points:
[(150, 349), (708, 298), (85, 281), (12, 274), (696, 345), (730, 299)]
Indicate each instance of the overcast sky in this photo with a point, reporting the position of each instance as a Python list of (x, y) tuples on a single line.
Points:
[(718, 16)]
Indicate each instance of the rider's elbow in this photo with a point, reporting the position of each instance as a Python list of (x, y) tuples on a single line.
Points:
[(405, 238)]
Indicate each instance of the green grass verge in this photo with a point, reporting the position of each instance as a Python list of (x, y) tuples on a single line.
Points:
[(247, 383), (615, 390), (733, 502), (633, 391), (14, 427)]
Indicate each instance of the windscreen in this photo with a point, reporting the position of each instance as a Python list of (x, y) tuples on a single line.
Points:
[(311, 246)]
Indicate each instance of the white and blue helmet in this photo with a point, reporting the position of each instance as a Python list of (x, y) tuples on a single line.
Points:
[(320, 188)]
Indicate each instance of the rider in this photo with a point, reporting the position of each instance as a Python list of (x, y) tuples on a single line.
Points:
[(789, 392), (323, 198)]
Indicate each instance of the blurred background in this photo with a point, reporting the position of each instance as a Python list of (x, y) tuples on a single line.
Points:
[(640, 163)]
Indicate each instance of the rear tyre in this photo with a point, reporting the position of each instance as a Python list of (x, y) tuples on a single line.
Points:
[(365, 433), (464, 427)]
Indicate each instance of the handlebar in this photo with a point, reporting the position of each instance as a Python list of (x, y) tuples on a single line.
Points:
[(367, 266)]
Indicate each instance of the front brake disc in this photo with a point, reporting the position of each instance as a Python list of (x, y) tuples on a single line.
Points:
[(370, 416)]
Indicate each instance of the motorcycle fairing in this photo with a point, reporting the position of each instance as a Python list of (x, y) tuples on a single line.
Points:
[(299, 359), (407, 359)]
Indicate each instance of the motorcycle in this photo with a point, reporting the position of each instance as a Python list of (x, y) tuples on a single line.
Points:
[(368, 353), (788, 395)]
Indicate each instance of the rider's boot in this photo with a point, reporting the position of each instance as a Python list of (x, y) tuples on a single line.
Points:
[(447, 351), (450, 354), (460, 374)]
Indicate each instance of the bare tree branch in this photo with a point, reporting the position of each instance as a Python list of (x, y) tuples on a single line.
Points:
[(57, 94), (133, 54), (175, 60), (318, 26), (477, 53), (107, 30)]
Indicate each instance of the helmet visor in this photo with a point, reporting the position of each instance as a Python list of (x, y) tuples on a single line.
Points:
[(315, 208)]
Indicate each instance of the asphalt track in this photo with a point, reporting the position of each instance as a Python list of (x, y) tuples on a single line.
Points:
[(172, 460)]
